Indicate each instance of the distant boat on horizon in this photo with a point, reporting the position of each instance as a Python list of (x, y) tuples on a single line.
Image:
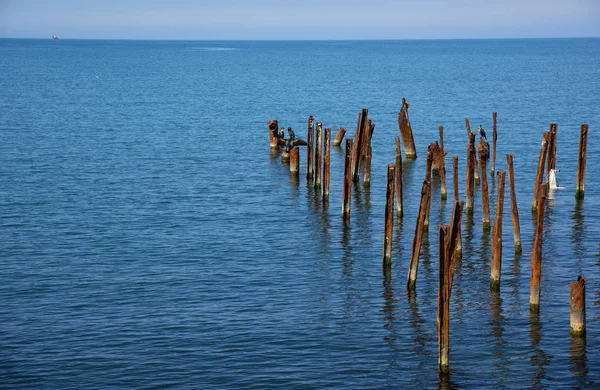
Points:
[(55, 37)]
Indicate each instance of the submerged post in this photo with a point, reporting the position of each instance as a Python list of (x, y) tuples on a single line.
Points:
[(494, 139), (406, 131), (326, 165), (540, 170), (389, 216), (398, 179), (273, 134), (513, 204), (318, 155), (416, 244), (347, 182), (442, 169), (470, 173), (295, 161), (577, 311), (309, 149), (536, 253), (339, 137), (497, 234), (483, 151), (579, 191)]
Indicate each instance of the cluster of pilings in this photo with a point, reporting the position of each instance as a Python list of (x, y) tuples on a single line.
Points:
[(357, 158)]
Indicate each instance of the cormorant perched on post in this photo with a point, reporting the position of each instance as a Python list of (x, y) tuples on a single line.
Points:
[(281, 134), (481, 132), (291, 133), (291, 142)]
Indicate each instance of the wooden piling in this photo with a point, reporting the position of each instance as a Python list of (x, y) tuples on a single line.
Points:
[(398, 171), (309, 149), (389, 216), (368, 151), (551, 159), (454, 238), (326, 165), (339, 137), (540, 170), (442, 169), (483, 151), (577, 309), (273, 133), (494, 139), (295, 161), (443, 300), (416, 244), (347, 181), (455, 180), (318, 155), (497, 234), (580, 190), (428, 166), (470, 173), (513, 204), (536, 253), (358, 143), (406, 131), (468, 126)]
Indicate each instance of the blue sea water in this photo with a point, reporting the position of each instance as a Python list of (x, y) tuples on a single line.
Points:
[(149, 238)]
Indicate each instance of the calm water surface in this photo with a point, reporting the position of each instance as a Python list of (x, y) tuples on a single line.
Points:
[(149, 239)]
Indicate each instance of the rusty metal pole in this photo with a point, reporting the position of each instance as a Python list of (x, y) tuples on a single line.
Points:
[(347, 182), (399, 210), (326, 165), (536, 253), (389, 216), (309, 149), (339, 137), (273, 133), (540, 170), (318, 156), (497, 234), (406, 131), (416, 244), (470, 173), (485, 199), (580, 190), (513, 204), (577, 311), (494, 139), (442, 168), (295, 161)]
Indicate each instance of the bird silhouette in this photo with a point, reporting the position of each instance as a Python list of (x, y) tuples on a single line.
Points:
[(290, 142), (481, 131)]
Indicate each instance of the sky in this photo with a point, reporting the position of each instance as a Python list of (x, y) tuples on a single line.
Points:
[(299, 19)]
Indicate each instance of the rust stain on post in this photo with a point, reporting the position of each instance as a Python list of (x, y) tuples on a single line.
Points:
[(318, 155), (497, 234), (513, 204), (416, 244), (406, 131), (368, 151), (442, 168), (483, 151), (536, 253), (494, 139), (470, 173), (339, 137), (580, 190), (399, 210), (389, 215), (309, 149), (540, 170), (326, 165), (358, 143), (428, 167), (295, 161), (577, 307), (347, 181), (273, 133)]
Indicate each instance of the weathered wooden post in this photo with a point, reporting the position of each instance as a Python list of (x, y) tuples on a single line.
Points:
[(483, 151), (406, 131), (273, 133), (551, 164), (580, 190), (339, 137), (494, 139), (474, 163), (398, 171), (470, 173), (536, 253), (454, 237), (326, 165), (455, 180), (309, 149), (368, 151), (347, 182), (416, 244), (295, 161), (497, 234), (540, 170), (443, 300), (577, 310), (442, 169), (318, 155), (428, 178), (358, 143), (513, 204), (389, 216)]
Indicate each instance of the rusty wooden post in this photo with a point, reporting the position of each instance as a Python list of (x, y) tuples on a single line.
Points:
[(513, 204), (318, 155), (540, 170), (455, 180), (368, 151), (497, 234), (494, 139), (580, 190), (273, 133), (442, 169), (285, 156), (470, 173), (468, 126), (295, 161), (577, 311), (483, 151), (551, 159), (339, 137), (428, 178), (347, 181), (358, 143), (389, 216), (416, 244), (406, 131), (309, 149), (443, 299), (536, 253), (326, 165), (454, 238), (399, 210)]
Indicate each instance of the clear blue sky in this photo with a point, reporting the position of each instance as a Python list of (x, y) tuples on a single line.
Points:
[(299, 19)]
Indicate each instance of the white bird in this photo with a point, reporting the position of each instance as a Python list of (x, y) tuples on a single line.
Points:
[(552, 182)]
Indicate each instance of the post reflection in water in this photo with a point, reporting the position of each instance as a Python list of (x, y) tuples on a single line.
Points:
[(578, 360), (513, 281), (539, 359), (388, 306), (407, 170), (420, 339), (497, 332), (578, 234)]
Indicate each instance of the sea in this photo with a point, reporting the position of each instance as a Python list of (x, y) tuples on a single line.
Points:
[(150, 238)]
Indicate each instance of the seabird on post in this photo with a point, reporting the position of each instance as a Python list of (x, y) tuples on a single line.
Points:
[(481, 132)]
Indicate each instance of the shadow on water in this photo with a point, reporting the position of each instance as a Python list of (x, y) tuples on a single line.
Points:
[(578, 360), (295, 184), (539, 359), (445, 382)]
